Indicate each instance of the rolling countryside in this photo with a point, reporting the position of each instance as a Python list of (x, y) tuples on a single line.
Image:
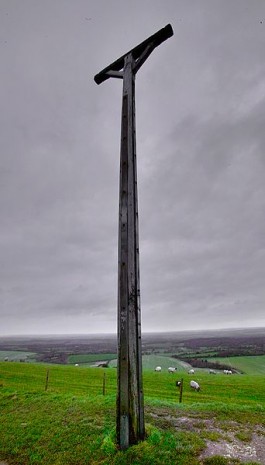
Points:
[(64, 413)]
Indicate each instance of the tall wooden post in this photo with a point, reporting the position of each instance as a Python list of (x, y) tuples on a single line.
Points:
[(130, 406), (130, 416)]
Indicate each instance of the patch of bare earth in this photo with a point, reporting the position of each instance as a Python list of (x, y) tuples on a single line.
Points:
[(253, 451), (228, 439)]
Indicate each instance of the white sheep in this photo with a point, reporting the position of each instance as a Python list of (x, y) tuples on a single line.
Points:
[(158, 369), (76, 364), (171, 370), (191, 372), (194, 385)]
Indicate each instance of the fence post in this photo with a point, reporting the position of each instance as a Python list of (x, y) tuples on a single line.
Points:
[(180, 391), (104, 384), (47, 379)]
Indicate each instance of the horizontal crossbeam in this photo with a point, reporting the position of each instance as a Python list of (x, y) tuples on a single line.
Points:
[(149, 44)]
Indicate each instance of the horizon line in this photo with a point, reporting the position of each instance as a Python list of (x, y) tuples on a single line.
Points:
[(240, 328)]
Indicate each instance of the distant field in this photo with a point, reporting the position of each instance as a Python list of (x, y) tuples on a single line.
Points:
[(150, 362), (89, 359), (17, 355), (247, 364), (250, 365)]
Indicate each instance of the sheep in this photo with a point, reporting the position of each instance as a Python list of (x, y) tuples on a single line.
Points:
[(76, 364), (191, 372), (178, 383), (158, 369), (212, 372), (194, 385), (228, 372), (171, 369)]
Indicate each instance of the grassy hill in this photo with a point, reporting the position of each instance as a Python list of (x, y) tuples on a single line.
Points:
[(150, 362), (73, 423), (250, 365)]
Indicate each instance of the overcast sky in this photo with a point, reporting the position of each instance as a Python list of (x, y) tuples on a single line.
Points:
[(200, 108)]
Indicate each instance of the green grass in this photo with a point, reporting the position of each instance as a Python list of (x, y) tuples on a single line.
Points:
[(251, 365), (61, 378), (150, 362), (73, 423), (164, 361), (57, 429), (241, 390)]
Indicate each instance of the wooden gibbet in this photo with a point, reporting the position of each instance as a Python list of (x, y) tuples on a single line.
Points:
[(130, 405)]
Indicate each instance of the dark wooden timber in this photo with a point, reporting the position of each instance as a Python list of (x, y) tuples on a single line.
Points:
[(156, 39), (130, 405)]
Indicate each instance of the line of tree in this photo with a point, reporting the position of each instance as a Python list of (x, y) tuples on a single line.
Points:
[(225, 352)]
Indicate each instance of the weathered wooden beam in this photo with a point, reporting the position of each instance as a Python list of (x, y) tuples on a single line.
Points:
[(130, 410), (143, 57), (156, 39), (130, 404), (115, 74)]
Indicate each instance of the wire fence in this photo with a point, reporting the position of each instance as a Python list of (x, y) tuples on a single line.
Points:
[(101, 381), (60, 379)]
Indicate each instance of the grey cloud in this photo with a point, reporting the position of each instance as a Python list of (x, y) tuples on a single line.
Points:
[(200, 113)]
